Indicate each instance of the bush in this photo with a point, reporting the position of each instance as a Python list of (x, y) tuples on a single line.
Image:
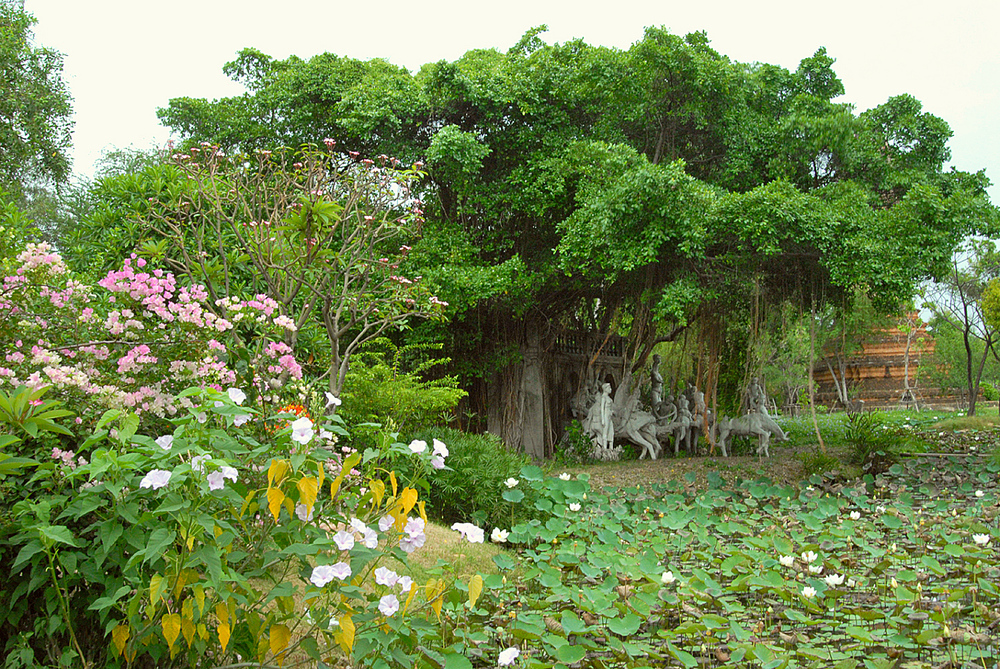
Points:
[(818, 462), (204, 546), (989, 391), (871, 442), (474, 486), (379, 389), (574, 447)]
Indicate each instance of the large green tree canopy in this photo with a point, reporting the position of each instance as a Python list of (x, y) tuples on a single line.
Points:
[(579, 183)]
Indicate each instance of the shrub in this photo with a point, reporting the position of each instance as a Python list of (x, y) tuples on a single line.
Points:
[(575, 446), (871, 442), (207, 546), (818, 462), (134, 340), (473, 488), (989, 391), (380, 389)]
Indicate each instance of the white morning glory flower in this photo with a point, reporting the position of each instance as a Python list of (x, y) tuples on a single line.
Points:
[(155, 479), (475, 535), (302, 430), (344, 540), (236, 395), (165, 442), (388, 605), (507, 656)]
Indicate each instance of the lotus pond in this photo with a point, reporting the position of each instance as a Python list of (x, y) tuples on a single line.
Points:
[(899, 570)]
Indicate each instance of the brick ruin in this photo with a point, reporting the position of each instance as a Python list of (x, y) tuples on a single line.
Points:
[(876, 374)]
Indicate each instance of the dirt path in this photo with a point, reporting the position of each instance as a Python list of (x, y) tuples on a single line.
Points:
[(784, 466)]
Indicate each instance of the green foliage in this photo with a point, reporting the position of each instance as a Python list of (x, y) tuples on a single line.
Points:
[(395, 385), (656, 573), (206, 542), (636, 190), (989, 391), (473, 488), (26, 411), (35, 104), (817, 462), (575, 446), (873, 446)]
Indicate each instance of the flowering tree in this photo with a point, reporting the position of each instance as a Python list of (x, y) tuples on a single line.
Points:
[(322, 235), (134, 341)]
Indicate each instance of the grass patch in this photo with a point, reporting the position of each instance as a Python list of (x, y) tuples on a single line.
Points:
[(959, 423), (445, 549)]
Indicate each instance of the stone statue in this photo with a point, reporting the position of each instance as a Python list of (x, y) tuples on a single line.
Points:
[(655, 386), (682, 427), (634, 424), (599, 423), (757, 423), (756, 399), (750, 425)]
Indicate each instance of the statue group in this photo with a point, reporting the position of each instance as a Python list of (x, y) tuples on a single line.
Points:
[(610, 419)]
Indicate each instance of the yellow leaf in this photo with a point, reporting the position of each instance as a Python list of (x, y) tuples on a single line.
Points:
[(436, 605), (274, 499), (203, 631), (378, 492), (190, 542), (321, 474), (308, 490), (187, 628), (408, 498), (221, 612), (247, 501), (199, 596), (187, 609), (475, 589), (409, 598), (182, 580), (422, 508), (120, 637), (280, 636), (352, 461), (392, 479), (346, 635), (157, 586), (276, 472), (171, 624), (335, 486), (224, 635)]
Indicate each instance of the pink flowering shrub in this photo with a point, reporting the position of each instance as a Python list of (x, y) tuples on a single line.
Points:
[(133, 340)]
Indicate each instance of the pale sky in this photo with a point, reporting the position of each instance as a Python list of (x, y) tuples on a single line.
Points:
[(125, 58)]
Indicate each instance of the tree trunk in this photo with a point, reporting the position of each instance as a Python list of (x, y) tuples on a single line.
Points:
[(812, 385)]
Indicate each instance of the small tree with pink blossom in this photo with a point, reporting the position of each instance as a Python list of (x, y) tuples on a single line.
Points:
[(323, 235), (134, 340)]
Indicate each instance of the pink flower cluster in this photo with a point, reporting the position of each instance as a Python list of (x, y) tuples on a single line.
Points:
[(156, 340)]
